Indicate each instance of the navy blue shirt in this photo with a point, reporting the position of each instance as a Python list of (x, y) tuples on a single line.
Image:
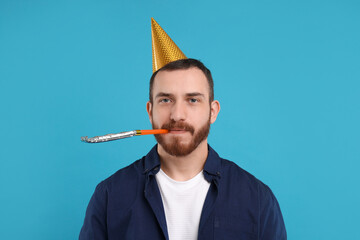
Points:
[(128, 204)]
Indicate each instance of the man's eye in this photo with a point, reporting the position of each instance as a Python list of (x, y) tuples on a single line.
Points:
[(165, 100), (193, 100)]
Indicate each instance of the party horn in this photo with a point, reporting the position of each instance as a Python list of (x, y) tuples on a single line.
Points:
[(121, 135)]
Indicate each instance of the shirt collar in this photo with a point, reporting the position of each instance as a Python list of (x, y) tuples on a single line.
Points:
[(152, 160), (212, 165)]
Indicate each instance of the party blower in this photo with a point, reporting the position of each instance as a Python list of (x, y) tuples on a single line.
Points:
[(116, 136)]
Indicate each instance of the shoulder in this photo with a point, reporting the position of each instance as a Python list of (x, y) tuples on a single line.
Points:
[(234, 173), (126, 183), (123, 177), (252, 196), (235, 178), (271, 220), (119, 191)]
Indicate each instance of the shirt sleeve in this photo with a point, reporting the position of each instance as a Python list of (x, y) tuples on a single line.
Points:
[(272, 226), (94, 226)]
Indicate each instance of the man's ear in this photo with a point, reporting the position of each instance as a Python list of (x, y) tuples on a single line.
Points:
[(149, 110), (214, 110)]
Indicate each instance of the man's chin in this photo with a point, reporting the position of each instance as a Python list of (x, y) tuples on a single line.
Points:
[(179, 147), (178, 150)]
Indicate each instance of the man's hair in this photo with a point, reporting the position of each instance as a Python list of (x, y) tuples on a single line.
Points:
[(185, 64)]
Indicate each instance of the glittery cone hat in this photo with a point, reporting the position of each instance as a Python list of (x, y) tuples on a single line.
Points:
[(164, 50)]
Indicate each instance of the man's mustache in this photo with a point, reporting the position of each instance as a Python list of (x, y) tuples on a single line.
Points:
[(178, 125)]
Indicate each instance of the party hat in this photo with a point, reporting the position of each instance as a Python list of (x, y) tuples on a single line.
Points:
[(164, 50)]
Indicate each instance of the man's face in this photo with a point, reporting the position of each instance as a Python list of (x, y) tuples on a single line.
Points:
[(181, 105)]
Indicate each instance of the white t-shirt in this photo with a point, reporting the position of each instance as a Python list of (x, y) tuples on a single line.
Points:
[(183, 203)]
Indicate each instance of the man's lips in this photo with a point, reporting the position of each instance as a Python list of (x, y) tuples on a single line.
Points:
[(177, 131), (178, 128)]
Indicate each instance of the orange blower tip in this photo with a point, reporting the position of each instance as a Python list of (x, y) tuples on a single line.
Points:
[(154, 131)]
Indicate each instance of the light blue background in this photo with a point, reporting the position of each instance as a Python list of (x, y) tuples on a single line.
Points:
[(286, 73)]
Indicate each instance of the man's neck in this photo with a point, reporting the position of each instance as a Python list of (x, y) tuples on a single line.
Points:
[(184, 168)]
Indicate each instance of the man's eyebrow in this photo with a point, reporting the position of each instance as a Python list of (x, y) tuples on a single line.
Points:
[(163, 94), (195, 94), (192, 94)]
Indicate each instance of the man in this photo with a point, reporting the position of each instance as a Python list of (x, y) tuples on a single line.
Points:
[(182, 189)]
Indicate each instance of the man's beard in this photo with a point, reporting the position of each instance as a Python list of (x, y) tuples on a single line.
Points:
[(174, 146)]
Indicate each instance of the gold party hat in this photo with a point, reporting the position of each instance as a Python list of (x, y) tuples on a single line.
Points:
[(164, 50)]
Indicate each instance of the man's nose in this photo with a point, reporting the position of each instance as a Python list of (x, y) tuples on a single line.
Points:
[(178, 112)]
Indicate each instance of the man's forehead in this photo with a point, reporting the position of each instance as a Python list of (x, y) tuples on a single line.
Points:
[(192, 80)]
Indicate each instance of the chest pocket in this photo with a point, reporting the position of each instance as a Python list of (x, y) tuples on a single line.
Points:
[(231, 227)]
